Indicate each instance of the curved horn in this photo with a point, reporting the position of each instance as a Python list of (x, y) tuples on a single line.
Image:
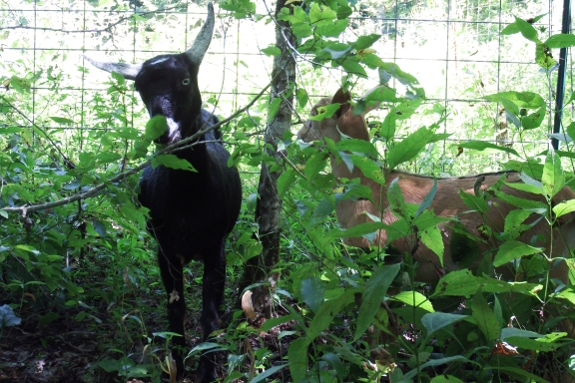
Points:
[(129, 71), (200, 47)]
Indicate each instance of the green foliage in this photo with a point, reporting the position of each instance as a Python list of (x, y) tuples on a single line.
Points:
[(335, 303)]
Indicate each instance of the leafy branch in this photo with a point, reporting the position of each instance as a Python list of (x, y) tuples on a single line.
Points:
[(96, 190)]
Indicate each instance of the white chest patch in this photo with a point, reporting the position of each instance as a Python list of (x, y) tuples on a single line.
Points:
[(172, 126)]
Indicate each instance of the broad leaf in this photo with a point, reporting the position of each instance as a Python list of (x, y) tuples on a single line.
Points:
[(534, 120), (312, 291), (552, 179), (485, 318), (173, 162), (436, 321), (433, 239), (156, 127), (564, 208), (409, 147), (561, 40), (364, 42), (480, 145), (511, 250), (414, 299), (396, 200), (463, 283), (375, 290)]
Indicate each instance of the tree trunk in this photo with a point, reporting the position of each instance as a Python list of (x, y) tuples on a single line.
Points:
[(269, 204)]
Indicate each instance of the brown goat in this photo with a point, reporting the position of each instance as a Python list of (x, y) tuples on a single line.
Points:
[(447, 203)]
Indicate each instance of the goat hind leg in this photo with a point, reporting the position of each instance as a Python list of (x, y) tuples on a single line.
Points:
[(172, 276), (212, 296)]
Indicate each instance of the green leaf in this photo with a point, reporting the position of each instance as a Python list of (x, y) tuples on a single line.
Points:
[(324, 112), (325, 314), (552, 179), (433, 239), (351, 66), (364, 42), (406, 109), (562, 40), (358, 146), (375, 290), (480, 145), (318, 13), (99, 227), (445, 379), (314, 165), (312, 291), (356, 231), (274, 108), (436, 321), (511, 250), (426, 203), (240, 8), (526, 29), (476, 203), (371, 169), (409, 147), (334, 361), (513, 223), (173, 162), (564, 208), (302, 97), (387, 128), (62, 120), (272, 50), (462, 283), (401, 76), (528, 100), (532, 341), (435, 362), (510, 371), (534, 120), (485, 318), (543, 57), (268, 372), (396, 200), (414, 299), (156, 127), (331, 28), (272, 322), (285, 180)]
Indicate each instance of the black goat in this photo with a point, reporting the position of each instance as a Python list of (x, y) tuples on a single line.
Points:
[(191, 213)]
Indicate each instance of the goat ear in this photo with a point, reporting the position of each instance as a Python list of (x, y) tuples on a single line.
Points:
[(343, 99), (129, 71)]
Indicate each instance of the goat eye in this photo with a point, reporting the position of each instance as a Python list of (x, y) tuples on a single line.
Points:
[(185, 81)]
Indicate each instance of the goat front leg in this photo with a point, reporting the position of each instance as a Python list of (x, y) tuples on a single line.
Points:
[(212, 295), (172, 276)]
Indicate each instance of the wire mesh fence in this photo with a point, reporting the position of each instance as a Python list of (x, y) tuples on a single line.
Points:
[(454, 48)]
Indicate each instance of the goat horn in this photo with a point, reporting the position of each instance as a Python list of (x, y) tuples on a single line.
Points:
[(129, 71), (200, 46)]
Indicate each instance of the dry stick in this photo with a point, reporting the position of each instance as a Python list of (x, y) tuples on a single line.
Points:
[(98, 188)]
